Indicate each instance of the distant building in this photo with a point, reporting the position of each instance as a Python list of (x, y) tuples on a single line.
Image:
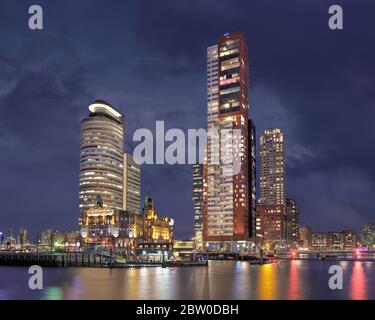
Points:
[(319, 241), (271, 210), (270, 223), (272, 167), (292, 222), (368, 235), (46, 237), (350, 240), (198, 203), (198, 196), (335, 241), (132, 185), (305, 235), (23, 237)]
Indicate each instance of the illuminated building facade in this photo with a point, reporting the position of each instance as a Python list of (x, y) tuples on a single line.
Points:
[(183, 249), (292, 222), (305, 235), (368, 235), (272, 167), (101, 157), (211, 169), (334, 241), (350, 240), (198, 198), (155, 228), (270, 223), (110, 227), (132, 185), (271, 209), (157, 242), (226, 205), (318, 241), (46, 237)]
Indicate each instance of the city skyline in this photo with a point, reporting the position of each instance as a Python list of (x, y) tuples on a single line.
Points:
[(320, 154)]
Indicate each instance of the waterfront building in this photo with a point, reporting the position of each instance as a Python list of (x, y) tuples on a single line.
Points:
[(101, 157), (368, 235), (350, 240), (226, 204), (132, 185), (292, 222), (270, 223), (110, 227), (305, 235), (157, 241), (334, 241), (318, 241), (155, 228), (183, 249)]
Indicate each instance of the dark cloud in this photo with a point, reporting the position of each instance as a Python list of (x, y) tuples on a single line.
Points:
[(149, 59)]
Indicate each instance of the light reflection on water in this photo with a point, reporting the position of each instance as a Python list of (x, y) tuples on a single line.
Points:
[(358, 282), (220, 280)]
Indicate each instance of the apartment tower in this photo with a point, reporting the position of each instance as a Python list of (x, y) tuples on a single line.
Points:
[(270, 216), (226, 205)]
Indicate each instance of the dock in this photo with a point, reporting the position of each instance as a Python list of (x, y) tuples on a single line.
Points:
[(81, 259)]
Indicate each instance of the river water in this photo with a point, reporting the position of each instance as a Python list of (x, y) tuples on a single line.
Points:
[(220, 280)]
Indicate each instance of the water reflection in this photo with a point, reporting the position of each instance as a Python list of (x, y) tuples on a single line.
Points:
[(221, 280), (53, 293), (293, 283), (358, 282), (267, 285)]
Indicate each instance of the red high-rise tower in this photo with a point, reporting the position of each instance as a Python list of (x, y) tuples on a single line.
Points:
[(226, 212)]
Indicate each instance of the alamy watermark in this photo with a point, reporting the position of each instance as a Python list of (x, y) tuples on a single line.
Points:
[(224, 147)]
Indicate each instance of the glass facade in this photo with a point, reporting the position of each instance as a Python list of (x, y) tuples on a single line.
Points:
[(101, 157)]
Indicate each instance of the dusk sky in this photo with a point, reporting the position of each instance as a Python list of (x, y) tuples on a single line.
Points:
[(148, 58)]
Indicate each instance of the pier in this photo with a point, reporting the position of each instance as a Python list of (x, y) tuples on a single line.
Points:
[(81, 259), (78, 259)]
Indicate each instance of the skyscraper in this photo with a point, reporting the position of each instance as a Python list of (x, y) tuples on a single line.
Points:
[(132, 185), (226, 213), (198, 197), (252, 179), (101, 157), (211, 169), (271, 205), (272, 167), (292, 221)]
